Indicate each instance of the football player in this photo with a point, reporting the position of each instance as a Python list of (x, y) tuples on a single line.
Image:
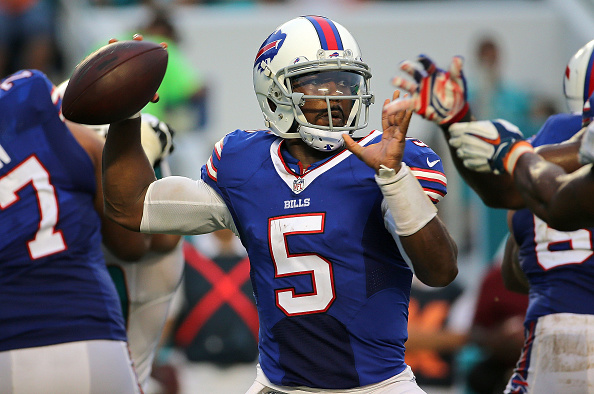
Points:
[(328, 230), (554, 267), (62, 327)]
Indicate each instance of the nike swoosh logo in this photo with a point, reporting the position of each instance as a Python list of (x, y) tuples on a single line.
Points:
[(489, 140), (432, 163)]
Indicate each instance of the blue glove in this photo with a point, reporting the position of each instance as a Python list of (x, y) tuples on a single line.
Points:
[(486, 146)]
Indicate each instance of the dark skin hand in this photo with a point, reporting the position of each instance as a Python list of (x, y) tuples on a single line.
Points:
[(390, 150), (432, 250)]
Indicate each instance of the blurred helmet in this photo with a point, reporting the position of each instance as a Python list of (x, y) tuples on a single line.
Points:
[(578, 82), (310, 46)]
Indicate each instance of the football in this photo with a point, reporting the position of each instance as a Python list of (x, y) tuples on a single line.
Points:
[(114, 82)]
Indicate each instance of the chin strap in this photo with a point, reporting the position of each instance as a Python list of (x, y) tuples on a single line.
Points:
[(315, 138)]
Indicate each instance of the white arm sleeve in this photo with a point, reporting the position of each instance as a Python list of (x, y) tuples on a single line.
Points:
[(179, 205)]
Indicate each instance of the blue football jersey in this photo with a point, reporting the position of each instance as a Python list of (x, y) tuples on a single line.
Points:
[(559, 265), (54, 286), (331, 287)]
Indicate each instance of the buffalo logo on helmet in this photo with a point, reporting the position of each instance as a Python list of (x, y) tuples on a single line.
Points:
[(269, 49)]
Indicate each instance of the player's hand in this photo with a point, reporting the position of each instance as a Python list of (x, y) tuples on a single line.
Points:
[(436, 95), (390, 150), (156, 137), (484, 146)]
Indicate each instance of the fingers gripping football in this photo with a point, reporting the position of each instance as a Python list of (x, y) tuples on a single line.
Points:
[(437, 95)]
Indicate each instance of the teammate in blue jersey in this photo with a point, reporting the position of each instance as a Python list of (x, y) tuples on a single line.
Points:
[(555, 267), (330, 232), (62, 326)]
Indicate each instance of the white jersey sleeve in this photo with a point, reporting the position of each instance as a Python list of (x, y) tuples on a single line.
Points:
[(179, 205)]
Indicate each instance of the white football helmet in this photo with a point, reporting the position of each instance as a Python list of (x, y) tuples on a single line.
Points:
[(578, 82), (311, 45)]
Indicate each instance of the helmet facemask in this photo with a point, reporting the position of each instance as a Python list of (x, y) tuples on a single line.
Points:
[(344, 88), (343, 91)]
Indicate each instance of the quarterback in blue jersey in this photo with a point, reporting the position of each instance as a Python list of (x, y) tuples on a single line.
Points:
[(62, 326), (556, 268), (333, 227)]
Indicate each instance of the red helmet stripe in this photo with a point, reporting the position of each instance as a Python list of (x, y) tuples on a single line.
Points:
[(328, 33)]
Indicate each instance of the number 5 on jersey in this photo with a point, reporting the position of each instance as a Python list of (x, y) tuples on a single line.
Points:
[(286, 265)]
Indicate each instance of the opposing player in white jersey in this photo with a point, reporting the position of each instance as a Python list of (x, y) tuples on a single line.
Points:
[(328, 230), (555, 267)]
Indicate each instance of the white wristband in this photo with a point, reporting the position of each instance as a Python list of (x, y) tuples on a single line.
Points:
[(411, 208)]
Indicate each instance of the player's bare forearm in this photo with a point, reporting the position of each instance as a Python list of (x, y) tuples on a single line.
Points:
[(538, 181), (124, 244), (127, 174), (433, 254), (555, 196), (565, 154)]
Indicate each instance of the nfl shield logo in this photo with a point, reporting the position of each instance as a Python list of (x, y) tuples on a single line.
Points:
[(298, 185)]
